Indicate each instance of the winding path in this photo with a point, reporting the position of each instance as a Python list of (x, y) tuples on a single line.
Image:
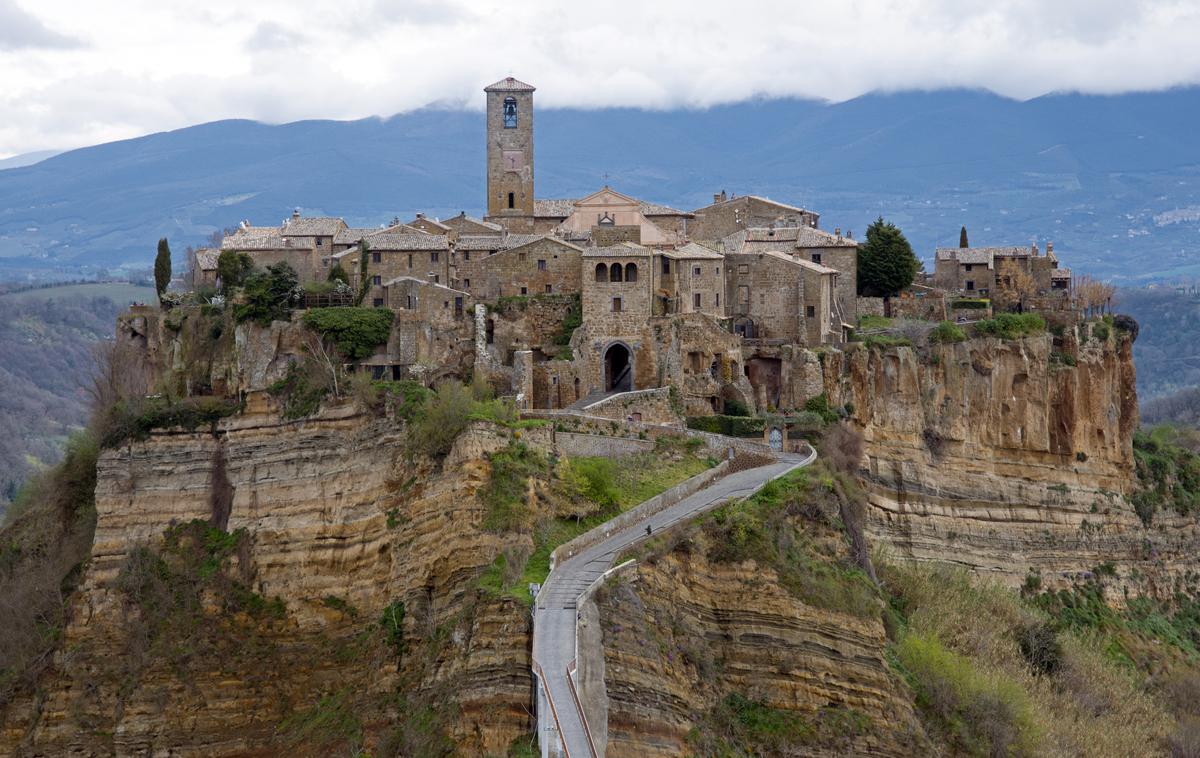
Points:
[(563, 731)]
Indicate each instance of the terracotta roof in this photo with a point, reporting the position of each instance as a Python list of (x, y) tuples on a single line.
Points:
[(266, 242), (560, 208), (760, 199), (1060, 273), (354, 235), (475, 221), (428, 220), (509, 84), (315, 226), (619, 250), (206, 258), (494, 241), (404, 241), (692, 251)]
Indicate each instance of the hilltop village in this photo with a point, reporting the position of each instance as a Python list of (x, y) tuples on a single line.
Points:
[(566, 301)]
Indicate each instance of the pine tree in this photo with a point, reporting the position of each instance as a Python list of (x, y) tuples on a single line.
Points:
[(962, 237), (886, 263), (162, 268)]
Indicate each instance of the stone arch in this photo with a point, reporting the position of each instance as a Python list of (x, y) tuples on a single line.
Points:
[(601, 272), (614, 273), (631, 272), (618, 368), (744, 327)]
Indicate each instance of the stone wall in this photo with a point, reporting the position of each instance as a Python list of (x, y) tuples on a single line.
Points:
[(648, 406), (545, 266)]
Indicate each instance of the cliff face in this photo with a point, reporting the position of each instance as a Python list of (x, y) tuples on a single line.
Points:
[(688, 630), (1007, 456), (329, 529)]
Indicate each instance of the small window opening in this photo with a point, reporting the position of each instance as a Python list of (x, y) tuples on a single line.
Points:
[(510, 115)]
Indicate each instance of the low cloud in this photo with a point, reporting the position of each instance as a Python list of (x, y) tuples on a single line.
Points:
[(21, 30)]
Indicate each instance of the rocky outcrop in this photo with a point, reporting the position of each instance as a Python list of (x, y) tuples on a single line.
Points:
[(1011, 457), (685, 631), (337, 525)]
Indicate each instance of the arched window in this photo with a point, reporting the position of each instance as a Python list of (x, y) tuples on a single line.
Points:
[(601, 272), (510, 113), (614, 273), (631, 272)]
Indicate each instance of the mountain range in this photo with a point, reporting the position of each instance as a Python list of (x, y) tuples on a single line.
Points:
[(1113, 181)]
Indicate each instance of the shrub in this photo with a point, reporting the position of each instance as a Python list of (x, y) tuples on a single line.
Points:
[(270, 295), (338, 274), (1011, 326), (572, 321), (392, 624), (599, 481), (1100, 330), (735, 407), (445, 415), (405, 397), (886, 341), (356, 332), (1039, 644), (970, 303), (730, 426), (819, 404), (233, 268), (987, 714), (947, 332), (506, 490), (136, 419), (300, 391)]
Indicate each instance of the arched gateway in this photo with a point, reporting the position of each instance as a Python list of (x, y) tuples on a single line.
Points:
[(618, 368)]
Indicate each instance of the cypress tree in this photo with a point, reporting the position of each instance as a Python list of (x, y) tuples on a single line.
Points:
[(162, 268), (962, 237), (886, 263)]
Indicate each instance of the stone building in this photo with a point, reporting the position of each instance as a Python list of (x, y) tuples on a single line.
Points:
[(510, 154), (781, 297), (431, 333), (689, 280), (726, 216), (266, 247), (463, 224), (980, 271), (204, 267), (423, 223), (538, 266), (617, 304), (390, 255), (657, 225)]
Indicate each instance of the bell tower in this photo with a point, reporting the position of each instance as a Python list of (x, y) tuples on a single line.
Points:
[(510, 150)]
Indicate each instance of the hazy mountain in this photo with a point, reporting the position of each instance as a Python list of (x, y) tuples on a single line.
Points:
[(27, 159), (1114, 181)]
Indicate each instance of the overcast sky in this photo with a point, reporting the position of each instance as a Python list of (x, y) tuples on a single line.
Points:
[(74, 73)]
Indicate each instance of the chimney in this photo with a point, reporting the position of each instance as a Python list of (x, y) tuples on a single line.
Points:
[(838, 232), (1049, 247), (296, 213), (849, 234), (717, 197), (1034, 250), (420, 215)]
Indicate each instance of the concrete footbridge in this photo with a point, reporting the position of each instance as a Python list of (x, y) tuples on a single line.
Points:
[(578, 566)]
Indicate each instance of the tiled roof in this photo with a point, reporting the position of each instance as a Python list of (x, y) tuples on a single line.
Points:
[(265, 242), (386, 240), (509, 84), (206, 258), (494, 241), (802, 262), (979, 254), (423, 282), (798, 236), (560, 208), (761, 199), (475, 222), (315, 226), (619, 250), (653, 209), (353, 235), (1060, 273), (430, 221), (692, 251)]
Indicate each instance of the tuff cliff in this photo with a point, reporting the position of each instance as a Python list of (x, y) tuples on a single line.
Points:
[(1012, 457), (342, 590)]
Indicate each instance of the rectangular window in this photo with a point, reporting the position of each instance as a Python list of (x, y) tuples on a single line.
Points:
[(696, 300), (521, 257), (410, 260), (524, 291), (718, 270), (458, 306), (378, 302), (666, 265), (810, 311), (433, 257), (436, 278), (743, 268), (541, 265), (377, 280), (816, 257), (718, 299), (445, 305), (409, 301), (466, 255), (695, 271), (376, 257), (616, 305), (970, 285), (320, 242), (466, 284), (549, 289), (967, 268)]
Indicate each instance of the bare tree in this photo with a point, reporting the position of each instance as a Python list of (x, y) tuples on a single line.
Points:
[(1014, 285), (327, 356)]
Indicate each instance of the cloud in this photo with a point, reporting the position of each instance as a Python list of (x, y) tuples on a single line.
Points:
[(279, 60), (21, 30)]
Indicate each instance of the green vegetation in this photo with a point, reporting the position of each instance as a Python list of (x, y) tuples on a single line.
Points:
[(986, 713), (886, 263), (232, 269), (392, 624), (1168, 470), (356, 332), (571, 321), (730, 426), (269, 295), (738, 727), (595, 488), (338, 274), (135, 419), (886, 341), (507, 489), (300, 391), (1059, 358), (947, 332), (162, 268), (1011, 326), (819, 404), (970, 303), (1101, 329), (874, 322), (364, 281), (406, 398), (330, 721), (760, 529)]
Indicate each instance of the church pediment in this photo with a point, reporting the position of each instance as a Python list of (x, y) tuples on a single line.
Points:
[(607, 198)]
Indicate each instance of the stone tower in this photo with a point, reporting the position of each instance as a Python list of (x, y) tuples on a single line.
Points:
[(510, 149)]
